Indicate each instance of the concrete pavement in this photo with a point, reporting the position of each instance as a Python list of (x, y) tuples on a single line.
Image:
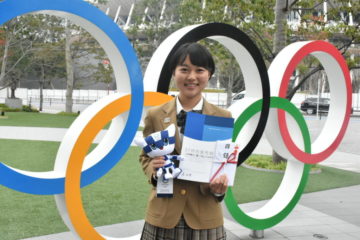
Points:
[(42, 134), (331, 214)]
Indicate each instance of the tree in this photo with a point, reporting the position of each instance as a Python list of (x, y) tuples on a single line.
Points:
[(24, 40), (281, 12), (46, 47), (46, 58), (83, 57), (29, 40), (104, 73), (16, 47), (339, 25), (152, 22), (228, 70), (47, 63), (69, 70)]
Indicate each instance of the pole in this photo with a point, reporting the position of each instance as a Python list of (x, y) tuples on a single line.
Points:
[(318, 100)]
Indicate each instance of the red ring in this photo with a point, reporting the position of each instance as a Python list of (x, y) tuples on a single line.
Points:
[(298, 56)]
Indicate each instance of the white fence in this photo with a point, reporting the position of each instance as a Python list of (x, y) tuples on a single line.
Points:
[(54, 99), (57, 95)]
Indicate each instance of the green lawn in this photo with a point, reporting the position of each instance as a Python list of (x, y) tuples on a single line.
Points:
[(111, 199), (30, 119), (251, 185), (119, 196)]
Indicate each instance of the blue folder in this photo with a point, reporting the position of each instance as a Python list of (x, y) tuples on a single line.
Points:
[(208, 128)]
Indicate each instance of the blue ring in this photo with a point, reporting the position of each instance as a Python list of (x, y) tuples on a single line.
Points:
[(12, 8)]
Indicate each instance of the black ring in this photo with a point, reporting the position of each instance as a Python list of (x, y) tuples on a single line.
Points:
[(221, 29)]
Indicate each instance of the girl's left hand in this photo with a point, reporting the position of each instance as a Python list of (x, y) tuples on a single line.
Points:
[(219, 185)]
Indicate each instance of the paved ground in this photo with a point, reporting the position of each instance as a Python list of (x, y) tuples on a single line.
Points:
[(332, 214), (41, 134)]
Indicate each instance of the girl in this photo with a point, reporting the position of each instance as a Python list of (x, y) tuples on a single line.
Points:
[(194, 211)]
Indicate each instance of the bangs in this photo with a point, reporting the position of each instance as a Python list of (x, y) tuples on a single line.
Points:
[(198, 55)]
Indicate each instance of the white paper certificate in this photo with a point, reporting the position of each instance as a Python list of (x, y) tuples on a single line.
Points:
[(202, 132), (198, 160)]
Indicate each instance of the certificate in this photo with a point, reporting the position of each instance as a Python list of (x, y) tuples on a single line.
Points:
[(204, 148)]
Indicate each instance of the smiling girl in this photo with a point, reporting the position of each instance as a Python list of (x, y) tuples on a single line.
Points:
[(194, 211)]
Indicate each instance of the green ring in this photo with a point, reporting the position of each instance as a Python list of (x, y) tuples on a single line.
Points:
[(230, 201)]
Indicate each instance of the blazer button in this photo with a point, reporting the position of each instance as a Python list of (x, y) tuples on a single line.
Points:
[(183, 192)]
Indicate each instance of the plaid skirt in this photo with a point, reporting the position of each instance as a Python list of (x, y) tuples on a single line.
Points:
[(182, 232)]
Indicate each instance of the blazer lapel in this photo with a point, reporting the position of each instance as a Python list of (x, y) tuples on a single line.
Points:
[(208, 109)]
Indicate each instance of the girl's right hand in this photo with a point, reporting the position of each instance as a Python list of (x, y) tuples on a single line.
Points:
[(157, 162)]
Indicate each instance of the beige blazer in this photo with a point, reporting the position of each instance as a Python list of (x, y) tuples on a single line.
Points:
[(193, 200)]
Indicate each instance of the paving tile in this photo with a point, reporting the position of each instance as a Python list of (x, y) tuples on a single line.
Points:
[(230, 225), (299, 222), (322, 229), (291, 231), (272, 234), (304, 237), (329, 220), (126, 229), (346, 228), (355, 234), (340, 236), (242, 235), (354, 219)]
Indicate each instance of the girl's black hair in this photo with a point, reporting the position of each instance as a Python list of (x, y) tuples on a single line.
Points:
[(198, 54)]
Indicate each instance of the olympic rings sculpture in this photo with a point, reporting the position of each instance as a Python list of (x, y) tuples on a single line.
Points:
[(264, 108)]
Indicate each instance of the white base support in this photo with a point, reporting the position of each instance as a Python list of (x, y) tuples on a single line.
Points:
[(257, 234)]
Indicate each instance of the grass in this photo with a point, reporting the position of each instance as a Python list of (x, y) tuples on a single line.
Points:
[(121, 195), (266, 162), (252, 185), (29, 119), (111, 199)]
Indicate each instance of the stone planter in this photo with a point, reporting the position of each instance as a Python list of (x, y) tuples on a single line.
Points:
[(13, 102)]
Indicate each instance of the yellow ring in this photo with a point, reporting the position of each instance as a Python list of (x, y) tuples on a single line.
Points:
[(73, 200)]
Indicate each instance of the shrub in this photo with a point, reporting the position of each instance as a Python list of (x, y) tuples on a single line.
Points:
[(265, 161), (24, 108), (68, 114), (28, 108), (5, 108)]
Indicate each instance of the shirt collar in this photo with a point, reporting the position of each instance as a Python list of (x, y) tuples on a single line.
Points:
[(198, 106)]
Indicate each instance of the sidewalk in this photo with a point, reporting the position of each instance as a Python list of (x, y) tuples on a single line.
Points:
[(42, 134), (331, 214)]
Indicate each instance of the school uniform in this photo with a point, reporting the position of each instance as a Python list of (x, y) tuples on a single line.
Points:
[(192, 204)]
